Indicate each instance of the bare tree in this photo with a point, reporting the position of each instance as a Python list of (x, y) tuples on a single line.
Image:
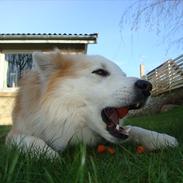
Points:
[(165, 17), (17, 65)]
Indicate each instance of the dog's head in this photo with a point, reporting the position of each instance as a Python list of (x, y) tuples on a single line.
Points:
[(92, 89)]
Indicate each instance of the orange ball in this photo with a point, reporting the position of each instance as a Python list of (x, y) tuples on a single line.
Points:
[(111, 150), (140, 149), (101, 148)]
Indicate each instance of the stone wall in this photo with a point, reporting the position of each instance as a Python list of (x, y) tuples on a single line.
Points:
[(6, 105)]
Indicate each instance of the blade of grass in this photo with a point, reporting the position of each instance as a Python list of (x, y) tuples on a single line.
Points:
[(12, 167), (94, 171), (81, 169), (49, 177)]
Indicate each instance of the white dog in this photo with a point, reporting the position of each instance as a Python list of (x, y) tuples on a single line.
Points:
[(78, 98)]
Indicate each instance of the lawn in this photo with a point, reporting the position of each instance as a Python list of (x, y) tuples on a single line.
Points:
[(84, 164)]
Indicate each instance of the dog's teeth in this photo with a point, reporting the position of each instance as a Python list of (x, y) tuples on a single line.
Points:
[(128, 129), (117, 127)]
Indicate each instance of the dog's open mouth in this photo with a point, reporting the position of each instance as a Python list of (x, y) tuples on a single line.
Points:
[(111, 117)]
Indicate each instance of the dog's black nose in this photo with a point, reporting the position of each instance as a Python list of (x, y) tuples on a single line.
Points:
[(144, 86)]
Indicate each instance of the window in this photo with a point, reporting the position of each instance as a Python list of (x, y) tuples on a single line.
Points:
[(17, 65)]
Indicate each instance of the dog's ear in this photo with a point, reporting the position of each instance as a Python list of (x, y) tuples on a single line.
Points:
[(46, 62)]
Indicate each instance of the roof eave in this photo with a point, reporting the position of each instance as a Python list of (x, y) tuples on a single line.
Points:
[(47, 41), (49, 38)]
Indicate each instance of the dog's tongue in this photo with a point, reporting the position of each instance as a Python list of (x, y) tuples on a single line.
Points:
[(114, 114), (122, 112)]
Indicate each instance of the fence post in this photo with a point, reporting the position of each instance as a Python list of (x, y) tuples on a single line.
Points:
[(169, 76), (142, 71), (156, 81)]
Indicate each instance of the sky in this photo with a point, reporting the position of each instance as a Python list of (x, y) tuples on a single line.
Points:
[(127, 49)]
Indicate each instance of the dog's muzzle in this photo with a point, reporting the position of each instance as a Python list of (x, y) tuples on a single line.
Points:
[(112, 115)]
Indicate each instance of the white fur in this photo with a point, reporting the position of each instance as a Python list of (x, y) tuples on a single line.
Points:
[(151, 140), (71, 111)]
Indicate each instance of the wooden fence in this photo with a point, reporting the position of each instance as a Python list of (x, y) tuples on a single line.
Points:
[(166, 77)]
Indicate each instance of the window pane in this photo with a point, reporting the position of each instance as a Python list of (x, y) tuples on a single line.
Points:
[(17, 65)]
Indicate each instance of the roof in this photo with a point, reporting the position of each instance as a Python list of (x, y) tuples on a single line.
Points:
[(48, 38)]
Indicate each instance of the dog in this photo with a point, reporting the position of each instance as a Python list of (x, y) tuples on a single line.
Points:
[(70, 99)]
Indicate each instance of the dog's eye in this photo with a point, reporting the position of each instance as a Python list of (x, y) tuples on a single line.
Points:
[(101, 72)]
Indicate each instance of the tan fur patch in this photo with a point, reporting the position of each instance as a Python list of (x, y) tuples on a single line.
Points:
[(28, 95), (68, 69)]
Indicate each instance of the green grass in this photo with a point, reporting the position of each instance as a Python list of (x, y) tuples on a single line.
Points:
[(84, 164)]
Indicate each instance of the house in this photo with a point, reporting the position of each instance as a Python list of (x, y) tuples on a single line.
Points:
[(16, 57)]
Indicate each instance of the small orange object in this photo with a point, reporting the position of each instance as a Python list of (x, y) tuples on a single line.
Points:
[(101, 148), (140, 149), (111, 150)]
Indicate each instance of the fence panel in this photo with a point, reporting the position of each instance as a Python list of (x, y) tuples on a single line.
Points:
[(166, 77)]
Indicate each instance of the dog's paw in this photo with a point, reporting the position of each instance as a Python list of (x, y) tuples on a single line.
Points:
[(51, 154), (152, 140), (159, 141)]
